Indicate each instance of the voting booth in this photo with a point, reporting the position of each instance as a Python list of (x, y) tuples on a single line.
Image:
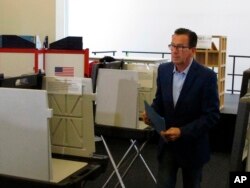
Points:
[(117, 115), (27, 157), (25, 139)]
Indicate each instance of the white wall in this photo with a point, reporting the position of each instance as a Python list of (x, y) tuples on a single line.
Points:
[(147, 25)]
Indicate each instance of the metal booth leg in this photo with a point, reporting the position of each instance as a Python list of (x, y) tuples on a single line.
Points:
[(138, 153), (120, 162), (116, 167), (113, 163)]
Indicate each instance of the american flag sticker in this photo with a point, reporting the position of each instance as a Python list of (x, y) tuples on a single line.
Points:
[(64, 71)]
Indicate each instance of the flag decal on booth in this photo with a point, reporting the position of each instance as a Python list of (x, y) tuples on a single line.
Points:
[(64, 71)]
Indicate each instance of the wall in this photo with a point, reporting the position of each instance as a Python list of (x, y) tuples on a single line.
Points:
[(28, 17)]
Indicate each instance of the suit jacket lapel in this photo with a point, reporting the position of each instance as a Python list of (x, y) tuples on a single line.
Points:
[(169, 82)]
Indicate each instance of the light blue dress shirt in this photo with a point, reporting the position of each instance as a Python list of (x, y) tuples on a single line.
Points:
[(178, 81)]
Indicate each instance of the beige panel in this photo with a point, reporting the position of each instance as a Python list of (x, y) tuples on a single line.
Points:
[(58, 104), (72, 126), (67, 132), (65, 168), (28, 17), (74, 105)]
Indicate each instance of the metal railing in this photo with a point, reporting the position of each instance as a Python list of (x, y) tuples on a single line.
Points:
[(233, 74), (143, 52), (104, 52)]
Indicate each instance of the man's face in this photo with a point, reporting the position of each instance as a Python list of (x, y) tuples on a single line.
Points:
[(180, 51)]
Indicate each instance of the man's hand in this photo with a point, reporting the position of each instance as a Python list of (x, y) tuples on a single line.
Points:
[(172, 134), (145, 118)]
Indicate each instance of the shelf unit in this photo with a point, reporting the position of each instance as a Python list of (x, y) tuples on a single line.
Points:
[(215, 58)]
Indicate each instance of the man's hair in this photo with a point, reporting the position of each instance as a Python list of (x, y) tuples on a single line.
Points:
[(191, 35)]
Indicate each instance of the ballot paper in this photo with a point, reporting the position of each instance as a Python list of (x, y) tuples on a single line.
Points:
[(158, 122)]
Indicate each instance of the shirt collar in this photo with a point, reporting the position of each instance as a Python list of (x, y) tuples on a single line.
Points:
[(186, 69)]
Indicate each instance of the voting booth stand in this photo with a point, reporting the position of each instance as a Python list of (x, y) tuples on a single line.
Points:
[(117, 116)]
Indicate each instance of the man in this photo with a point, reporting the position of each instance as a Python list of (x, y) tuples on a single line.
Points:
[(187, 98)]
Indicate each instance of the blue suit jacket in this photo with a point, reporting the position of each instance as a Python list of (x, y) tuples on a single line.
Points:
[(196, 111)]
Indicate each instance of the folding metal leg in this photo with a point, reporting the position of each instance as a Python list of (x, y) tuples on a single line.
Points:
[(113, 164), (143, 160), (120, 162), (116, 167), (138, 153)]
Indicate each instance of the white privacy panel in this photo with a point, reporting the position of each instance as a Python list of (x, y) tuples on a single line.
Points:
[(116, 98), (24, 133)]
